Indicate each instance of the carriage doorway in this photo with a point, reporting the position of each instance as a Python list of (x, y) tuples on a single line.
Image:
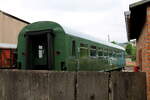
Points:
[(39, 49)]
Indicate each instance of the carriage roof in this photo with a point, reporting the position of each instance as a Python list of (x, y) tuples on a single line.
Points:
[(69, 31), (88, 37)]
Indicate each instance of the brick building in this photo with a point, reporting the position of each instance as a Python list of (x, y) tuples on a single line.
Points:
[(138, 27), (10, 27)]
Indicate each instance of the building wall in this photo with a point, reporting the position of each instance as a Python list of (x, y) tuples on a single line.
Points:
[(143, 51), (9, 29), (140, 47)]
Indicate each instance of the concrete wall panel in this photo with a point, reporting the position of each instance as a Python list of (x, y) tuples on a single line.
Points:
[(92, 86), (47, 85), (128, 86), (61, 86)]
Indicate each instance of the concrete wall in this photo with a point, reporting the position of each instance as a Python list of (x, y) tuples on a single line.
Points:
[(32, 85), (128, 86), (9, 28), (92, 86), (46, 85)]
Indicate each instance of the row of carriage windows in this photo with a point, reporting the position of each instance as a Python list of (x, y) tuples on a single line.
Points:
[(94, 51)]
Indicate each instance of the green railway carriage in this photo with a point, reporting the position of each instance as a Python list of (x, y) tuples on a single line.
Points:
[(49, 46)]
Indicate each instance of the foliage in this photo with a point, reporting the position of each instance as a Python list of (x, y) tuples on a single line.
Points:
[(114, 42), (131, 51)]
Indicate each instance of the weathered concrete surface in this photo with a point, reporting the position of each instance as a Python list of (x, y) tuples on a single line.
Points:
[(39, 85), (14, 85), (128, 86), (47, 85), (92, 86), (61, 85), (36, 85)]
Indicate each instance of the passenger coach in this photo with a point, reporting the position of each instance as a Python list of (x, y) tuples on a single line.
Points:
[(50, 46)]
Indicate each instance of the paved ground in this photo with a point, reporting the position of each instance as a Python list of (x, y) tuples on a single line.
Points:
[(128, 69)]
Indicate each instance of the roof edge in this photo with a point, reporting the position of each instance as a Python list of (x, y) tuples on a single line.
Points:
[(14, 17), (138, 3)]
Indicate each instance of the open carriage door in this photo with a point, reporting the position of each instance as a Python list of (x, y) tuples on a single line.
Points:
[(50, 42), (40, 50)]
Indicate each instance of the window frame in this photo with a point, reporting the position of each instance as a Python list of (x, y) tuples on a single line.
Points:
[(93, 48)]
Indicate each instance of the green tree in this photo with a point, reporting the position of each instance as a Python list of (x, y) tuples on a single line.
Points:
[(114, 42), (131, 51)]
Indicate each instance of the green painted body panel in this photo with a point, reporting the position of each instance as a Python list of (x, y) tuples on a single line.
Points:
[(59, 44), (93, 64), (63, 45)]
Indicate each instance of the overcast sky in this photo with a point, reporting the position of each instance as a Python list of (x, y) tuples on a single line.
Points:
[(98, 18)]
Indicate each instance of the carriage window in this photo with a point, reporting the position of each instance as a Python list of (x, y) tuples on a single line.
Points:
[(83, 50), (105, 52), (73, 48), (117, 54), (110, 53), (100, 52), (120, 55), (114, 54), (40, 51), (93, 51)]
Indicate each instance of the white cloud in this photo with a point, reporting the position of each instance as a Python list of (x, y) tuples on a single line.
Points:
[(71, 5), (95, 17)]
